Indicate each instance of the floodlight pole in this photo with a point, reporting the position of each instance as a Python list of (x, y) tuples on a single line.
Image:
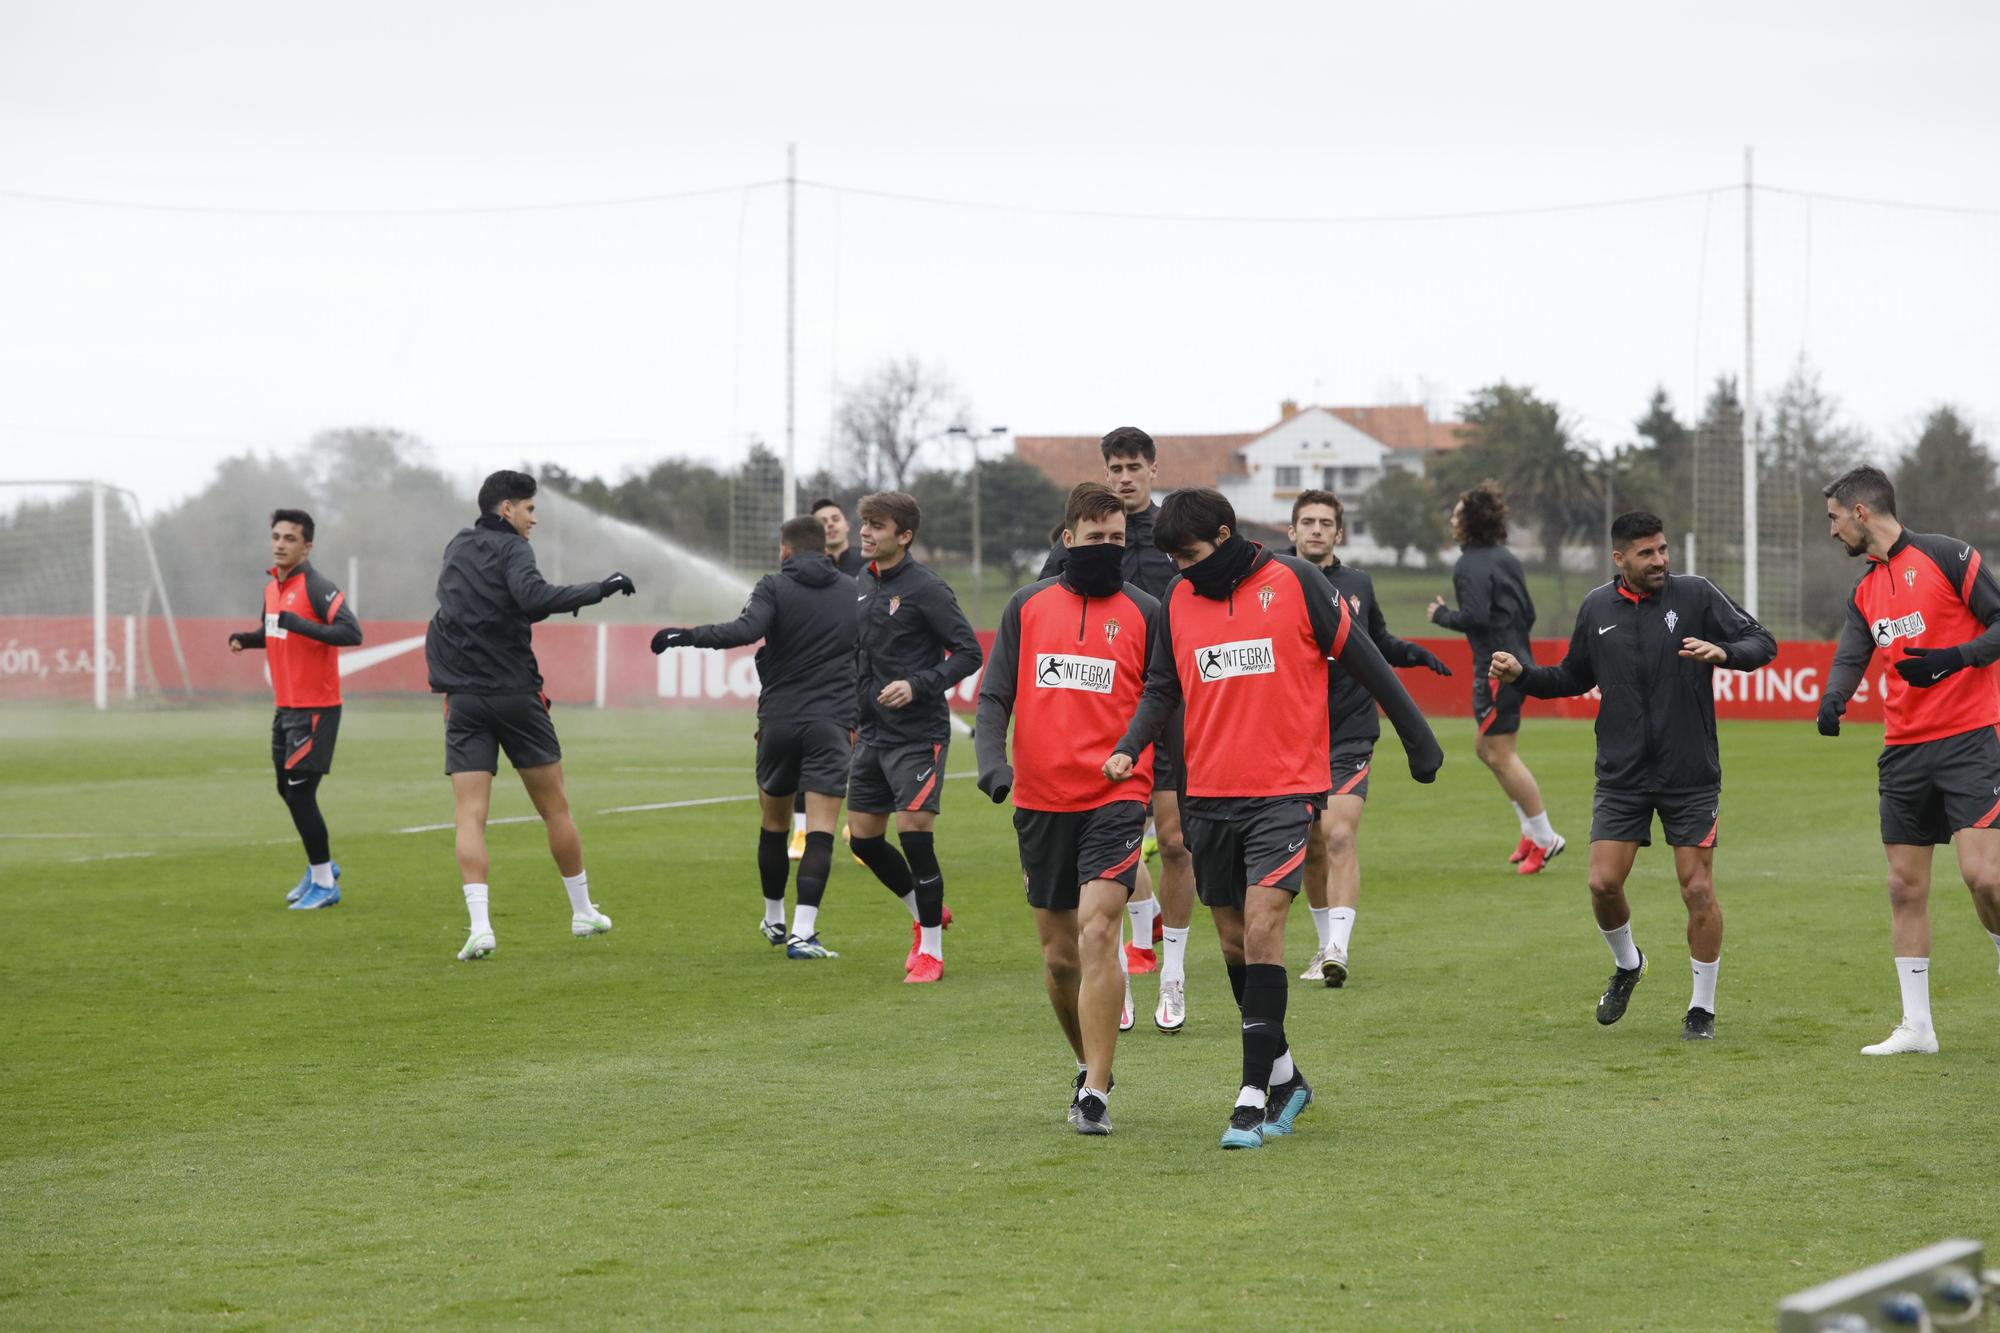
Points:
[(1750, 535), (791, 484), (965, 433)]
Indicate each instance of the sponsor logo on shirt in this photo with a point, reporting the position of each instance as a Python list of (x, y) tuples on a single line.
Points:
[(1887, 631), (1246, 657), (271, 630), (1063, 671)]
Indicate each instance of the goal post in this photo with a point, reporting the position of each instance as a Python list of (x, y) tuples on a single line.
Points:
[(84, 610)]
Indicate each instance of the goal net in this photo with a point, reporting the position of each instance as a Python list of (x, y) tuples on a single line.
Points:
[(84, 613)]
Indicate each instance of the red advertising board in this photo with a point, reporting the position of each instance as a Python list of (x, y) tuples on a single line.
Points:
[(612, 665)]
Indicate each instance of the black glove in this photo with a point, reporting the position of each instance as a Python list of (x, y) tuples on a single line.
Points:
[(289, 621), (1925, 667), (616, 583), (1433, 661), (1425, 763), (672, 637), (1830, 710), (998, 783)]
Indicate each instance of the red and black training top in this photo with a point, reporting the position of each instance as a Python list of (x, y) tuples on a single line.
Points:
[(1069, 669), (306, 622), (1930, 592), (1251, 668)]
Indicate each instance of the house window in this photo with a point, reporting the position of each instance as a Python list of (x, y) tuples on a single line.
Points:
[(1356, 526), (1288, 479), (1326, 479), (1350, 478)]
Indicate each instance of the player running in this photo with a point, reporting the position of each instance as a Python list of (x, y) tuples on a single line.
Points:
[(1333, 869), (1068, 664), (1930, 602), (306, 623), (914, 644), (482, 660), (804, 613), (1131, 470), (1494, 612), (1243, 640), (1649, 641)]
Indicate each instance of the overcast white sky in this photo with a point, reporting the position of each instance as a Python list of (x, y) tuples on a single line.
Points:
[(144, 345)]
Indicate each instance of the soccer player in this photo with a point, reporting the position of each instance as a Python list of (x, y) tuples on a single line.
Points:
[(306, 622), (804, 613), (1333, 869), (846, 558), (1243, 642), (1495, 613), (481, 659), (1132, 470), (1930, 602), (913, 645), (1068, 665), (1649, 641)]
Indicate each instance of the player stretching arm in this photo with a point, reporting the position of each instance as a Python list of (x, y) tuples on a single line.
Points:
[(1650, 641), (1243, 643), (1930, 602), (306, 622), (481, 658), (804, 613)]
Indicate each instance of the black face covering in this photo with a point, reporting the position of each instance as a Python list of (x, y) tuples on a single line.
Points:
[(1223, 569), (1096, 569)]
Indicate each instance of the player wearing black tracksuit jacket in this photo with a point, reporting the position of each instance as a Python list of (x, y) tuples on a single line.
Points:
[(804, 613), (1649, 642)]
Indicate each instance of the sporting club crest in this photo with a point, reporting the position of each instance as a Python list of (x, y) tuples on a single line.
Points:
[(894, 603), (1354, 603), (1673, 619), (1910, 576), (1110, 630), (1264, 596)]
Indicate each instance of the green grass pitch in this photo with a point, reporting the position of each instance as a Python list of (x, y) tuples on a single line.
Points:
[(218, 1114)]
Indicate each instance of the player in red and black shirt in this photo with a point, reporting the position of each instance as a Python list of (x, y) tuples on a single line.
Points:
[(1068, 665), (1929, 601), (1243, 642), (306, 623)]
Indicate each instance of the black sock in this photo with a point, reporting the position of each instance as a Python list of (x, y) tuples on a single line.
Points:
[(814, 868), (773, 867), (300, 793), (1263, 1022), (1237, 971), (927, 876), (887, 863)]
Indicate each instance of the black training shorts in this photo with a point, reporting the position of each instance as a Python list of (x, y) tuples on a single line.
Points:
[(1688, 818), (1062, 850), (302, 739), (1932, 789), (803, 757), (478, 726), (1347, 769), (1498, 714), (907, 777), (1240, 841)]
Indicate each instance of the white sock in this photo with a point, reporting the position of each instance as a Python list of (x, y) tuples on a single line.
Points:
[(1173, 964), (774, 911), (1093, 1092), (1914, 974), (475, 907), (1142, 921), (1704, 983), (805, 921), (1624, 953), (322, 874), (1543, 832), (1282, 1068), (1322, 925), (930, 940), (1521, 815), (1252, 1097), (577, 886), (798, 821), (910, 901), (1343, 927), (1995, 938)]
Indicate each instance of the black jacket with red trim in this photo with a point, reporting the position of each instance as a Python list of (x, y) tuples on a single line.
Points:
[(306, 622), (1656, 711), (1932, 592), (1069, 670), (909, 628), (1250, 668)]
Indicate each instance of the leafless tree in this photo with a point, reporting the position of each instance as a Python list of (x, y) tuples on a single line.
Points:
[(885, 421)]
